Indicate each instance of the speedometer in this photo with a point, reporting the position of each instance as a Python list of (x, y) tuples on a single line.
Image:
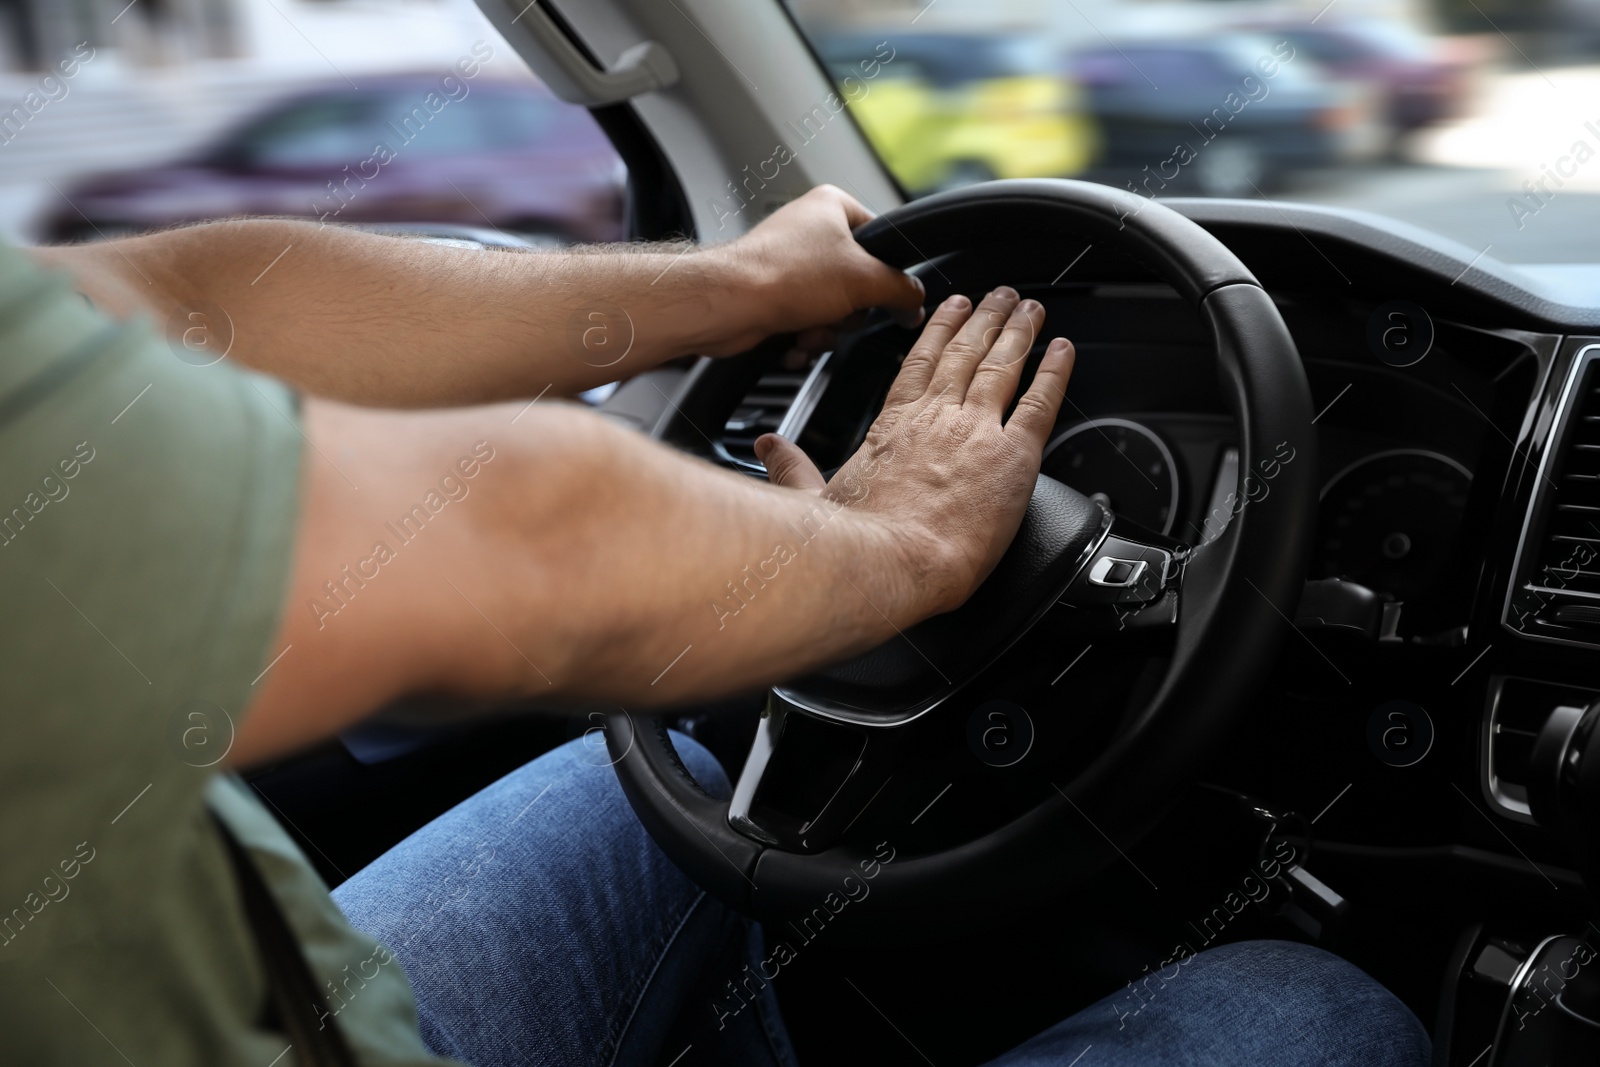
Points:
[(1390, 520), (1123, 463)]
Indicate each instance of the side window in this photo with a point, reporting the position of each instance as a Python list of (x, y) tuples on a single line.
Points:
[(125, 133)]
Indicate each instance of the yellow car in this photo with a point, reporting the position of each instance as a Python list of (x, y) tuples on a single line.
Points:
[(950, 109)]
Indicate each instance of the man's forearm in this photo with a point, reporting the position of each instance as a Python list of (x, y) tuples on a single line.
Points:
[(401, 323), (396, 322), (559, 554), (580, 560)]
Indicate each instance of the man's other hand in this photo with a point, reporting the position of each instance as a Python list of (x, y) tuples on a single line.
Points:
[(810, 277)]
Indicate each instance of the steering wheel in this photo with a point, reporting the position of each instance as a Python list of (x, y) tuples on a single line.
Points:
[(828, 744)]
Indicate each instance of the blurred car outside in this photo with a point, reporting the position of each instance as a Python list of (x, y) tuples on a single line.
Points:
[(948, 109), (503, 154), (1223, 115), (1423, 80)]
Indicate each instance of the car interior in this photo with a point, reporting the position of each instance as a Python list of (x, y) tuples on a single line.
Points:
[(1121, 750)]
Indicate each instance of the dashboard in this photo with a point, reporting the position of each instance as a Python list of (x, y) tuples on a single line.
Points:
[(1457, 448), (1145, 430), (1449, 444)]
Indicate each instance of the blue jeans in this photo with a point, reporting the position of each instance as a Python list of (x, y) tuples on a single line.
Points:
[(568, 938)]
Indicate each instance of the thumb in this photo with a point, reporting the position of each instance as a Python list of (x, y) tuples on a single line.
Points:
[(787, 465)]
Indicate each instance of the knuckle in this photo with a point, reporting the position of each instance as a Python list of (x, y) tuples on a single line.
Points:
[(964, 425), (880, 437), (918, 360), (961, 348), (1032, 405)]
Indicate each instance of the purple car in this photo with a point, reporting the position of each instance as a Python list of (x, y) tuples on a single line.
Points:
[(400, 149), (1423, 80)]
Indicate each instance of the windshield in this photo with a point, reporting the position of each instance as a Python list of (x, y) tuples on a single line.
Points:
[(1429, 114)]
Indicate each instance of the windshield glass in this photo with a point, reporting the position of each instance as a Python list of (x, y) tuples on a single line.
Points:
[(1478, 121)]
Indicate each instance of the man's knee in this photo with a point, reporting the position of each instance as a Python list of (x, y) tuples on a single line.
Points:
[(591, 750), (1307, 995), (699, 761)]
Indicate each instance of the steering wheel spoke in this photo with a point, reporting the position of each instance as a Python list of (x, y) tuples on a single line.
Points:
[(808, 779), (1132, 581)]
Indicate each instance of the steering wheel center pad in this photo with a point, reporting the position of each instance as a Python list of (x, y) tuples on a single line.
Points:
[(908, 674)]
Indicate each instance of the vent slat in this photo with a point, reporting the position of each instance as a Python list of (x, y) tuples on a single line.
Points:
[(1565, 568), (761, 411)]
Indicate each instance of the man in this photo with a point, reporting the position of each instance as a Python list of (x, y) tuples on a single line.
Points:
[(210, 568)]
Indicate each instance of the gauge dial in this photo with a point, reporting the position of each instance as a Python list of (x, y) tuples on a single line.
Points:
[(1124, 464), (1389, 521)]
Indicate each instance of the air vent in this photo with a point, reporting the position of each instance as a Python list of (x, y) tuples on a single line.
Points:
[(1518, 710), (1555, 593), (780, 399)]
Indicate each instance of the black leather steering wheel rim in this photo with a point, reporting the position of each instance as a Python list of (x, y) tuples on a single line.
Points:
[(1238, 593)]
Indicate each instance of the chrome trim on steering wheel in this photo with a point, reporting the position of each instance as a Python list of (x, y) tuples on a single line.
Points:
[(768, 730)]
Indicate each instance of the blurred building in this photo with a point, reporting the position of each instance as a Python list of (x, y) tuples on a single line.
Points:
[(163, 76), (1086, 23), (34, 33)]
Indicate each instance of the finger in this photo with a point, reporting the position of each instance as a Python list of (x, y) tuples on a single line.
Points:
[(911, 317), (816, 339), (917, 370), (971, 343), (994, 383), (853, 321), (875, 284), (1035, 415), (854, 213), (786, 464)]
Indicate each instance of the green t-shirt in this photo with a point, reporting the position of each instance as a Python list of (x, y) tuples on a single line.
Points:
[(147, 512)]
